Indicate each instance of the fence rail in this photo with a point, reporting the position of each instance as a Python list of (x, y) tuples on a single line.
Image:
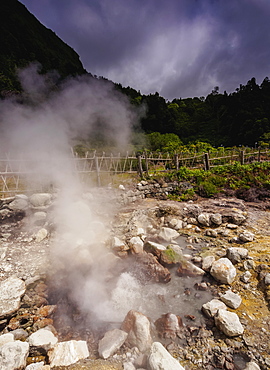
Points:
[(16, 174)]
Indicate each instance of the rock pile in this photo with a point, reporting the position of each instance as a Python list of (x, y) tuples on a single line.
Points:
[(149, 237)]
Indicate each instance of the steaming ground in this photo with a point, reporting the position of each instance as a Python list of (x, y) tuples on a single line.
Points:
[(39, 126)]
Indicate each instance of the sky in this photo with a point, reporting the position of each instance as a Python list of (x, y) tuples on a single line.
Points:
[(178, 48)]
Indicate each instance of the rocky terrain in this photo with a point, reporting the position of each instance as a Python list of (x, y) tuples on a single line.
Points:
[(158, 285)]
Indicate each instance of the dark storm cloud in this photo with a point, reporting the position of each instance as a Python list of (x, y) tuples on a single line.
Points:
[(179, 48)]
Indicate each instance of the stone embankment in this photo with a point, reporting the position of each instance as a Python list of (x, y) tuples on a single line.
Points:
[(226, 251)]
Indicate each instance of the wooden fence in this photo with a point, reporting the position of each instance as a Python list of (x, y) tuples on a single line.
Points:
[(16, 174)]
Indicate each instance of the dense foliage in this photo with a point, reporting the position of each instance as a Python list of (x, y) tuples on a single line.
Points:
[(249, 182), (24, 39), (239, 118)]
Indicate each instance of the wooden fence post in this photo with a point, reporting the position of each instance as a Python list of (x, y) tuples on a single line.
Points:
[(146, 163), (259, 154), (242, 157), (97, 170), (140, 169), (176, 162), (206, 162)]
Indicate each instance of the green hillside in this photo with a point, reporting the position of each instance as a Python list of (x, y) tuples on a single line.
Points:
[(24, 39)]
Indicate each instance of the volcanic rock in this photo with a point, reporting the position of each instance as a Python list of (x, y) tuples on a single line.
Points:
[(210, 308), (236, 254), (6, 338), (149, 269), (20, 203), (223, 271), (13, 355), (168, 234), (228, 323), (43, 338), (252, 366), (246, 236), (216, 218), (68, 353), (168, 326), (111, 342), (137, 326), (187, 268), (231, 299), (11, 291), (40, 199), (136, 244), (160, 359), (204, 219), (207, 262)]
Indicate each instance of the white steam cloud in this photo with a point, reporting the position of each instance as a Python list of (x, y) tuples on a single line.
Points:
[(41, 127)]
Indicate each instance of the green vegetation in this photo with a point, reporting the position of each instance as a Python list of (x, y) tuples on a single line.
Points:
[(250, 181), (241, 118), (23, 39)]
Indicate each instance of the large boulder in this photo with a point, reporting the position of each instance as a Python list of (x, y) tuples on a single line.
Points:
[(11, 291), (137, 326), (228, 323), (160, 359), (223, 270)]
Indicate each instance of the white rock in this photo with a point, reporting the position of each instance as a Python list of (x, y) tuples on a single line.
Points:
[(13, 355), (18, 204), (35, 366), (207, 262), (211, 232), (121, 187), (238, 218), (168, 234), (231, 299), (231, 226), (204, 219), (118, 245), (11, 291), (216, 218), (228, 323), (136, 244), (39, 217), (111, 342), (43, 338), (223, 270), (129, 366), (210, 308), (160, 359), (176, 224), (6, 338), (245, 277), (137, 326), (267, 279), (252, 366), (237, 254), (246, 236), (68, 353), (40, 199), (159, 247), (41, 235)]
